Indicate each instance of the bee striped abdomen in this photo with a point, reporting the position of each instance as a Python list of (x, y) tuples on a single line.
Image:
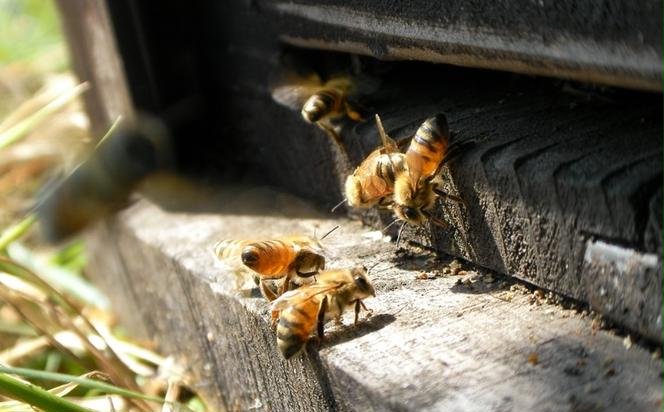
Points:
[(270, 258), (321, 104), (296, 323), (430, 143)]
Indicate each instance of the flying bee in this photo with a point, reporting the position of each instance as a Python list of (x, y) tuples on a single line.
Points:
[(320, 102), (308, 308), (373, 180), (416, 189), (102, 184), (282, 259)]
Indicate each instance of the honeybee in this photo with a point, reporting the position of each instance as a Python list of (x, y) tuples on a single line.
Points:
[(320, 102), (311, 306), (282, 258), (416, 188), (373, 180), (103, 183)]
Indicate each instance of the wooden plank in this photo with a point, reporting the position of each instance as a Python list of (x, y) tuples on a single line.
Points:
[(557, 166), (94, 56), (434, 343), (564, 39)]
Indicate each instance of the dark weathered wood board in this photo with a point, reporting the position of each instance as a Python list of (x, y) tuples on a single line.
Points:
[(559, 170), (556, 167), (563, 189), (92, 47), (610, 41), (432, 344)]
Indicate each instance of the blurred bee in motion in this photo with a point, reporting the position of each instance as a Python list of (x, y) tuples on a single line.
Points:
[(320, 102), (372, 182), (308, 308), (102, 184), (281, 259)]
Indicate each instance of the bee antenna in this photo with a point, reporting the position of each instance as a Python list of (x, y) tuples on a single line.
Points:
[(330, 231), (338, 205), (388, 226), (400, 232), (372, 266)]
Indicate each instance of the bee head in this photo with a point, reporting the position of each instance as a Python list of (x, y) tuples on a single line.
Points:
[(308, 263), (364, 286), (250, 258), (412, 215)]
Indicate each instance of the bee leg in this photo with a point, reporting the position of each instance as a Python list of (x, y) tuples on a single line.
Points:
[(385, 203), (321, 320), (439, 222), (266, 291), (330, 131), (269, 296), (369, 311), (284, 286), (357, 311), (358, 304), (446, 195), (275, 318)]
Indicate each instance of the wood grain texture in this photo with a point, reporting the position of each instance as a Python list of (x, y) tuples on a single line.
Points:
[(551, 171), (92, 47), (558, 170), (433, 343), (609, 41)]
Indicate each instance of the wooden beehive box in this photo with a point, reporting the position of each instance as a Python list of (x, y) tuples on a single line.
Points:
[(562, 190)]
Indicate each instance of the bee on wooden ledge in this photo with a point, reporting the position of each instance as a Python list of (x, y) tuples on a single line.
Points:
[(308, 308), (290, 260)]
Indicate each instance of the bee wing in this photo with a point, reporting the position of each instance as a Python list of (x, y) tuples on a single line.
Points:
[(301, 242), (389, 145), (373, 185), (293, 91), (414, 167), (229, 248), (302, 294)]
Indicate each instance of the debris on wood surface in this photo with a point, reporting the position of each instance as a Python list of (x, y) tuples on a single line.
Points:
[(426, 347)]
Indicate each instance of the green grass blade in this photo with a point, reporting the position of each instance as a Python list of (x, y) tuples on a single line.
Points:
[(13, 233), (71, 256), (86, 383), (36, 396), (15, 328), (196, 404), (24, 127), (110, 131), (59, 277), (13, 268)]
